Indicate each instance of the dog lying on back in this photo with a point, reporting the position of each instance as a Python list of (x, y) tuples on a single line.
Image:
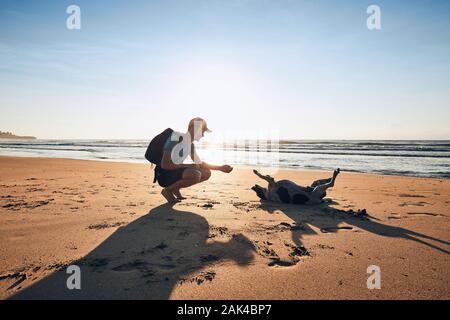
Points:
[(286, 191)]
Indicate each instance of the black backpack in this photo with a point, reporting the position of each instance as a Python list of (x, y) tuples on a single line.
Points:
[(155, 150)]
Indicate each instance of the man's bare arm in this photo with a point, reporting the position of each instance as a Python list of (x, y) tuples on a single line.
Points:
[(203, 165), (224, 168)]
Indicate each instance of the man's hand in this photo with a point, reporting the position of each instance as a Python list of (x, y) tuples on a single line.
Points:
[(226, 168)]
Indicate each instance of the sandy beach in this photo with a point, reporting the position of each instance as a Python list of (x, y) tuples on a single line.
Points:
[(109, 219)]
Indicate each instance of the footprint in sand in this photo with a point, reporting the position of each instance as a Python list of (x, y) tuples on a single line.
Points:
[(26, 205), (418, 204), (295, 252), (206, 205), (266, 252), (282, 263), (403, 195), (216, 231), (35, 189), (323, 246), (201, 278), (7, 197), (105, 225), (425, 214), (17, 279)]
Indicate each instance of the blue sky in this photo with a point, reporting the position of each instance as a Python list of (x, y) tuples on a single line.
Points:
[(305, 69)]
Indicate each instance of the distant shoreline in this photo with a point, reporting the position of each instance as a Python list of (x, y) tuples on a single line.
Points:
[(11, 136), (18, 138)]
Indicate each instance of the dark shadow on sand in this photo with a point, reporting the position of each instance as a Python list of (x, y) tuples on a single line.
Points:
[(330, 219), (146, 259)]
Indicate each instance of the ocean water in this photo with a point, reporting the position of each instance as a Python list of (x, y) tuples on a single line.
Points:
[(411, 158)]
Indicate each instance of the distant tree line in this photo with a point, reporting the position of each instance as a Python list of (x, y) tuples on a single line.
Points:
[(10, 135)]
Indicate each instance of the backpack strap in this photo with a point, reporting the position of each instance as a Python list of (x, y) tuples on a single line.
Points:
[(155, 173)]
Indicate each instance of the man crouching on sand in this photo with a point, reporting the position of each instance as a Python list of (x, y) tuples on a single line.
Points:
[(173, 174)]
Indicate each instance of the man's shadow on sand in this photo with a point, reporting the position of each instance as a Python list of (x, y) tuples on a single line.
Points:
[(328, 219), (146, 259)]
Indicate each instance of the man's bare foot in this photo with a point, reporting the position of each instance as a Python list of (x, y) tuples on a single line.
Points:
[(169, 196), (178, 195)]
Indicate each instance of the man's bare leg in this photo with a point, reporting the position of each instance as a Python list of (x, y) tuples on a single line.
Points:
[(169, 196), (205, 175), (178, 194), (168, 192), (189, 178)]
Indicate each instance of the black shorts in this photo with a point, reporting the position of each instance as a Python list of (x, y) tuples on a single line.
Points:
[(167, 177)]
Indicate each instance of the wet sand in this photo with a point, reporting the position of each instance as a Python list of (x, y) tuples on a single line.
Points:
[(222, 242)]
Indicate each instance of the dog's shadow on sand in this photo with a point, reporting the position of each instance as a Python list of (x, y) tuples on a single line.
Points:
[(328, 220), (146, 259)]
